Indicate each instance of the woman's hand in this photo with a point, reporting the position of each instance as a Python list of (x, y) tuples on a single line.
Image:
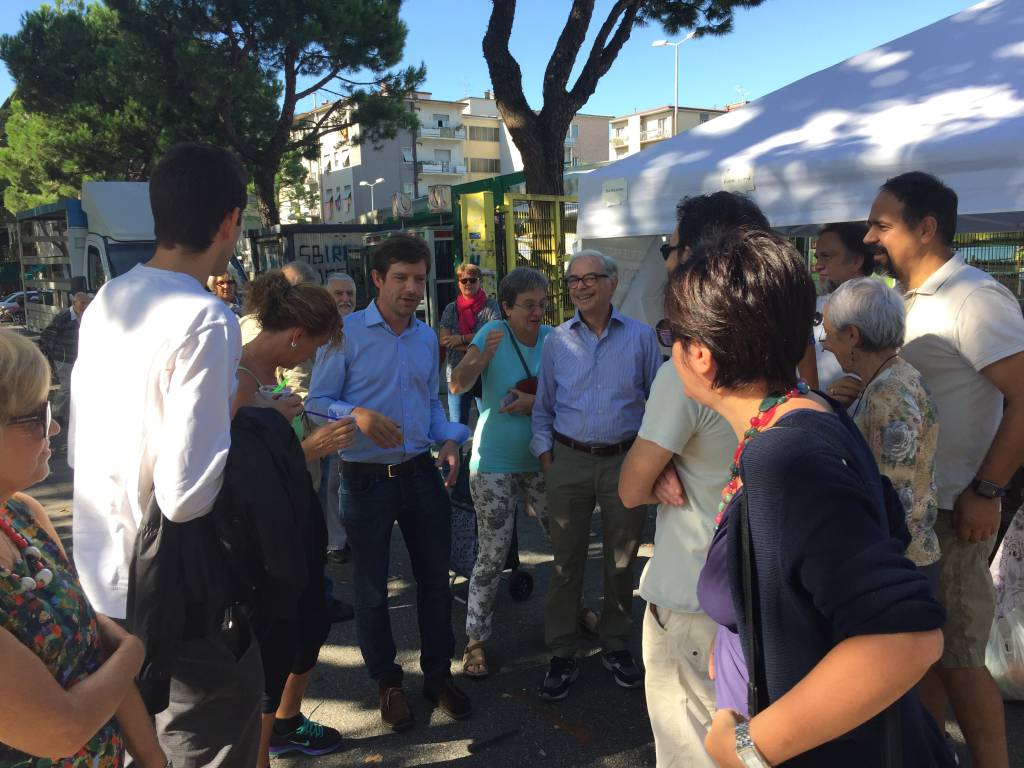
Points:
[(289, 405), (452, 341), (113, 637), (846, 389), (721, 739), (491, 344), (522, 405), (330, 438)]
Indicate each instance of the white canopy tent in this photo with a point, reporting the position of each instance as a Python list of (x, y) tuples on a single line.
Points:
[(947, 99)]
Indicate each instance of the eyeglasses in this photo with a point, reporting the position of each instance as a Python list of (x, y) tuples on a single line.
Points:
[(530, 306), (588, 280), (666, 250), (469, 280), (40, 416), (664, 331)]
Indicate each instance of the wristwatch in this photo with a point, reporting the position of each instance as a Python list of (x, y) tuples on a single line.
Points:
[(746, 750), (987, 489)]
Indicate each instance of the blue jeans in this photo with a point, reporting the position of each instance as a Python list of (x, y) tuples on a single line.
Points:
[(458, 407), (420, 506)]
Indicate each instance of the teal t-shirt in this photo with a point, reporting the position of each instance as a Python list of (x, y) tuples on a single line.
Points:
[(502, 440)]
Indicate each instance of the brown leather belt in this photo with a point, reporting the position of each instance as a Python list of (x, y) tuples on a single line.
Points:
[(421, 463), (595, 449)]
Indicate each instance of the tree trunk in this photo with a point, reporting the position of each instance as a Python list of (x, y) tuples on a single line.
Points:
[(543, 154), (266, 195)]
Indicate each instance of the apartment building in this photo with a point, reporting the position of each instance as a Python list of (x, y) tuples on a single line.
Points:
[(456, 142), (631, 133)]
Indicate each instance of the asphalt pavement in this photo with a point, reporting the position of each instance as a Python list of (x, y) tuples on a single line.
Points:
[(599, 724)]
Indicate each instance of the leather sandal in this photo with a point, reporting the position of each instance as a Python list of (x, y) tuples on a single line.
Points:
[(474, 657)]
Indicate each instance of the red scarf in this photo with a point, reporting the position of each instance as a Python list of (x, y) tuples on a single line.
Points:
[(468, 309)]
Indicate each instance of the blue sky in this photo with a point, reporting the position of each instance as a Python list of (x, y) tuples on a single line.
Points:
[(775, 44)]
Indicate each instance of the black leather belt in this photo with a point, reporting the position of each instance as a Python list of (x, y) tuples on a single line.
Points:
[(421, 463), (595, 449)]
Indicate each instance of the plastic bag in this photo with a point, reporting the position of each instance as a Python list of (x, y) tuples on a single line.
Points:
[(1004, 655)]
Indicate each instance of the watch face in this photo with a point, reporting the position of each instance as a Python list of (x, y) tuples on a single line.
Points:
[(987, 489), (751, 759)]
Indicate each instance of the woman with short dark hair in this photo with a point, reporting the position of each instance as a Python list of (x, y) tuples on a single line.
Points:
[(835, 623)]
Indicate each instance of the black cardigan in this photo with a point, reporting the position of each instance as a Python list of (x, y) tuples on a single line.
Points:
[(828, 569)]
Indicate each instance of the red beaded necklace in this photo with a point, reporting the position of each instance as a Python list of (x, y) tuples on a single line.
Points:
[(31, 554), (765, 413)]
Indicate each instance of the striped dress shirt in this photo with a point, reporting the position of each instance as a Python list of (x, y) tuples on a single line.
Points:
[(594, 389)]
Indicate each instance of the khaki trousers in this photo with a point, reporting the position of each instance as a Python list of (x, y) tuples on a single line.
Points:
[(576, 483), (680, 696)]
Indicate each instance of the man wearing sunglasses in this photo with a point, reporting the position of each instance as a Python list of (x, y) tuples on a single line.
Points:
[(595, 374)]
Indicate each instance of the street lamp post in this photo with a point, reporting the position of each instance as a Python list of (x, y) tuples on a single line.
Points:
[(371, 186), (675, 83)]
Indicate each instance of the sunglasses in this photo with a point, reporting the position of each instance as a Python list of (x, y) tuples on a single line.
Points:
[(40, 416), (469, 280), (664, 331), (666, 250), (222, 283)]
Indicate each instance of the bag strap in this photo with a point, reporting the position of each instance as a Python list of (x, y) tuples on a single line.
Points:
[(752, 649), (519, 352)]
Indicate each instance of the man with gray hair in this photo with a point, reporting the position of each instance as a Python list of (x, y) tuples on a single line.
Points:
[(343, 288), (595, 375)]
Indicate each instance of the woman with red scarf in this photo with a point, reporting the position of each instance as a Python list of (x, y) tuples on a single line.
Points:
[(460, 321)]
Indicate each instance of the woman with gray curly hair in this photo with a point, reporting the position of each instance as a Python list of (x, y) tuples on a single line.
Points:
[(864, 323)]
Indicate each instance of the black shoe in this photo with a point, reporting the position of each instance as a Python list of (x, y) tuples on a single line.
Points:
[(309, 738), (339, 556), (441, 690), (561, 674), (623, 668), (339, 611)]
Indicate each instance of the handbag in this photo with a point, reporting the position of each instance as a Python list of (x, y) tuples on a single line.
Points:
[(529, 384), (757, 680)]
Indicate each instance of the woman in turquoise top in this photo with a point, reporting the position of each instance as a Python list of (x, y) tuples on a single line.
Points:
[(65, 672), (506, 353)]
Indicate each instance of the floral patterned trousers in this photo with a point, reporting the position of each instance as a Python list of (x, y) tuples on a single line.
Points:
[(494, 496)]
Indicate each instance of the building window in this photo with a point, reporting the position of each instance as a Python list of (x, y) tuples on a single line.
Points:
[(407, 188), (482, 133), (439, 120), (704, 117), (406, 154), (574, 131), (484, 165)]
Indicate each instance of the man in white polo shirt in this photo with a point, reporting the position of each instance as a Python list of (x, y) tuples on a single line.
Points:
[(694, 441), (965, 334)]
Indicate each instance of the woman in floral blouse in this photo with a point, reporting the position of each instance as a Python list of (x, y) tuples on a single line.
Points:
[(864, 321)]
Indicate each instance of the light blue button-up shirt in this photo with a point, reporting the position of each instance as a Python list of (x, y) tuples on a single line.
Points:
[(394, 374), (594, 389)]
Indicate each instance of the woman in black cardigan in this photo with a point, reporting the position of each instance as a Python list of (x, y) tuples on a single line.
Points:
[(846, 625)]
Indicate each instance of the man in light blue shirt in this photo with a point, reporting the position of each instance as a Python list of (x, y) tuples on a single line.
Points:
[(385, 376), (596, 373)]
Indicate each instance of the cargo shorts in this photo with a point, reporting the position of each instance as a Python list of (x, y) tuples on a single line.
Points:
[(967, 593)]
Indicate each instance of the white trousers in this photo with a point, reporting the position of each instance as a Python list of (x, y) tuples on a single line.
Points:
[(680, 697)]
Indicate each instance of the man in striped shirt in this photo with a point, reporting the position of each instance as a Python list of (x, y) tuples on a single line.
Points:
[(596, 373)]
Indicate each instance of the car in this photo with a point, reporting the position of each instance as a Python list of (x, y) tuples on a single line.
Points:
[(12, 306)]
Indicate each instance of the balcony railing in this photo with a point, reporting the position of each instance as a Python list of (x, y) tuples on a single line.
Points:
[(655, 134), (441, 167), (434, 132), (619, 141)]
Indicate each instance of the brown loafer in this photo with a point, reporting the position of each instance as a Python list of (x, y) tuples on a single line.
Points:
[(394, 708), (441, 690)]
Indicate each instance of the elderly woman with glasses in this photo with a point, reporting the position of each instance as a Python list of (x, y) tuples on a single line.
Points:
[(225, 288), (863, 323), (505, 355), (67, 691), (460, 322), (835, 625)]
